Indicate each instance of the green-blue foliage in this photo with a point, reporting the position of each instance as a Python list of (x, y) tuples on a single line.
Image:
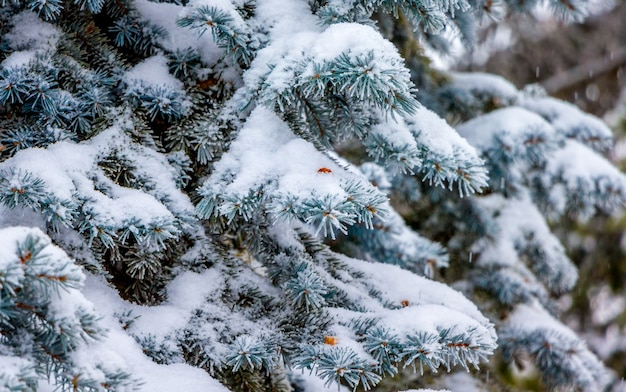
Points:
[(221, 162)]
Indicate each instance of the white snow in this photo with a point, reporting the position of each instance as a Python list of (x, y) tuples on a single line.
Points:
[(585, 173), (153, 71), (428, 318), (267, 154), (483, 83), (116, 350), (69, 169), (570, 121), (9, 241), (51, 260), (185, 293), (514, 219), (577, 162), (398, 285), (19, 59), (29, 32), (120, 348), (461, 382), (396, 133), (313, 383), (422, 306), (549, 333), (28, 37), (291, 60), (348, 37), (13, 372), (53, 165), (533, 316), (510, 125), (285, 18), (21, 216), (444, 143), (165, 15), (605, 344)]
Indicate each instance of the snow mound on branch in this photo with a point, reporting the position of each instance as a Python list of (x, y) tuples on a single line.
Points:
[(155, 377), (29, 37)]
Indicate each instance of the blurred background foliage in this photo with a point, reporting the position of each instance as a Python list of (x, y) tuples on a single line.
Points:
[(584, 64)]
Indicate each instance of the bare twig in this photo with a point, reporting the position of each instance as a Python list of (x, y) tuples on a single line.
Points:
[(587, 70)]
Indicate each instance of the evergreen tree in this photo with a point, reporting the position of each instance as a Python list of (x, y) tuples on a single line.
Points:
[(254, 196)]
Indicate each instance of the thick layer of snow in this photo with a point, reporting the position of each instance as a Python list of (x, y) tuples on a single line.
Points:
[(534, 316), (397, 285), (285, 18), (267, 154), (440, 138), (516, 223), (583, 169), (69, 169), (266, 151), (570, 121), (165, 15), (313, 383), (119, 347), (12, 374), (28, 36), (461, 382), (57, 264), (153, 71), (67, 308), (9, 243), (291, 60), (423, 306), (185, 294), (510, 125), (487, 84)]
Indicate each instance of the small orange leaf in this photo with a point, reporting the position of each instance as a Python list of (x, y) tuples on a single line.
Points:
[(206, 84), (405, 303), (90, 28), (25, 257), (331, 340), (324, 170), (62, 278)]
